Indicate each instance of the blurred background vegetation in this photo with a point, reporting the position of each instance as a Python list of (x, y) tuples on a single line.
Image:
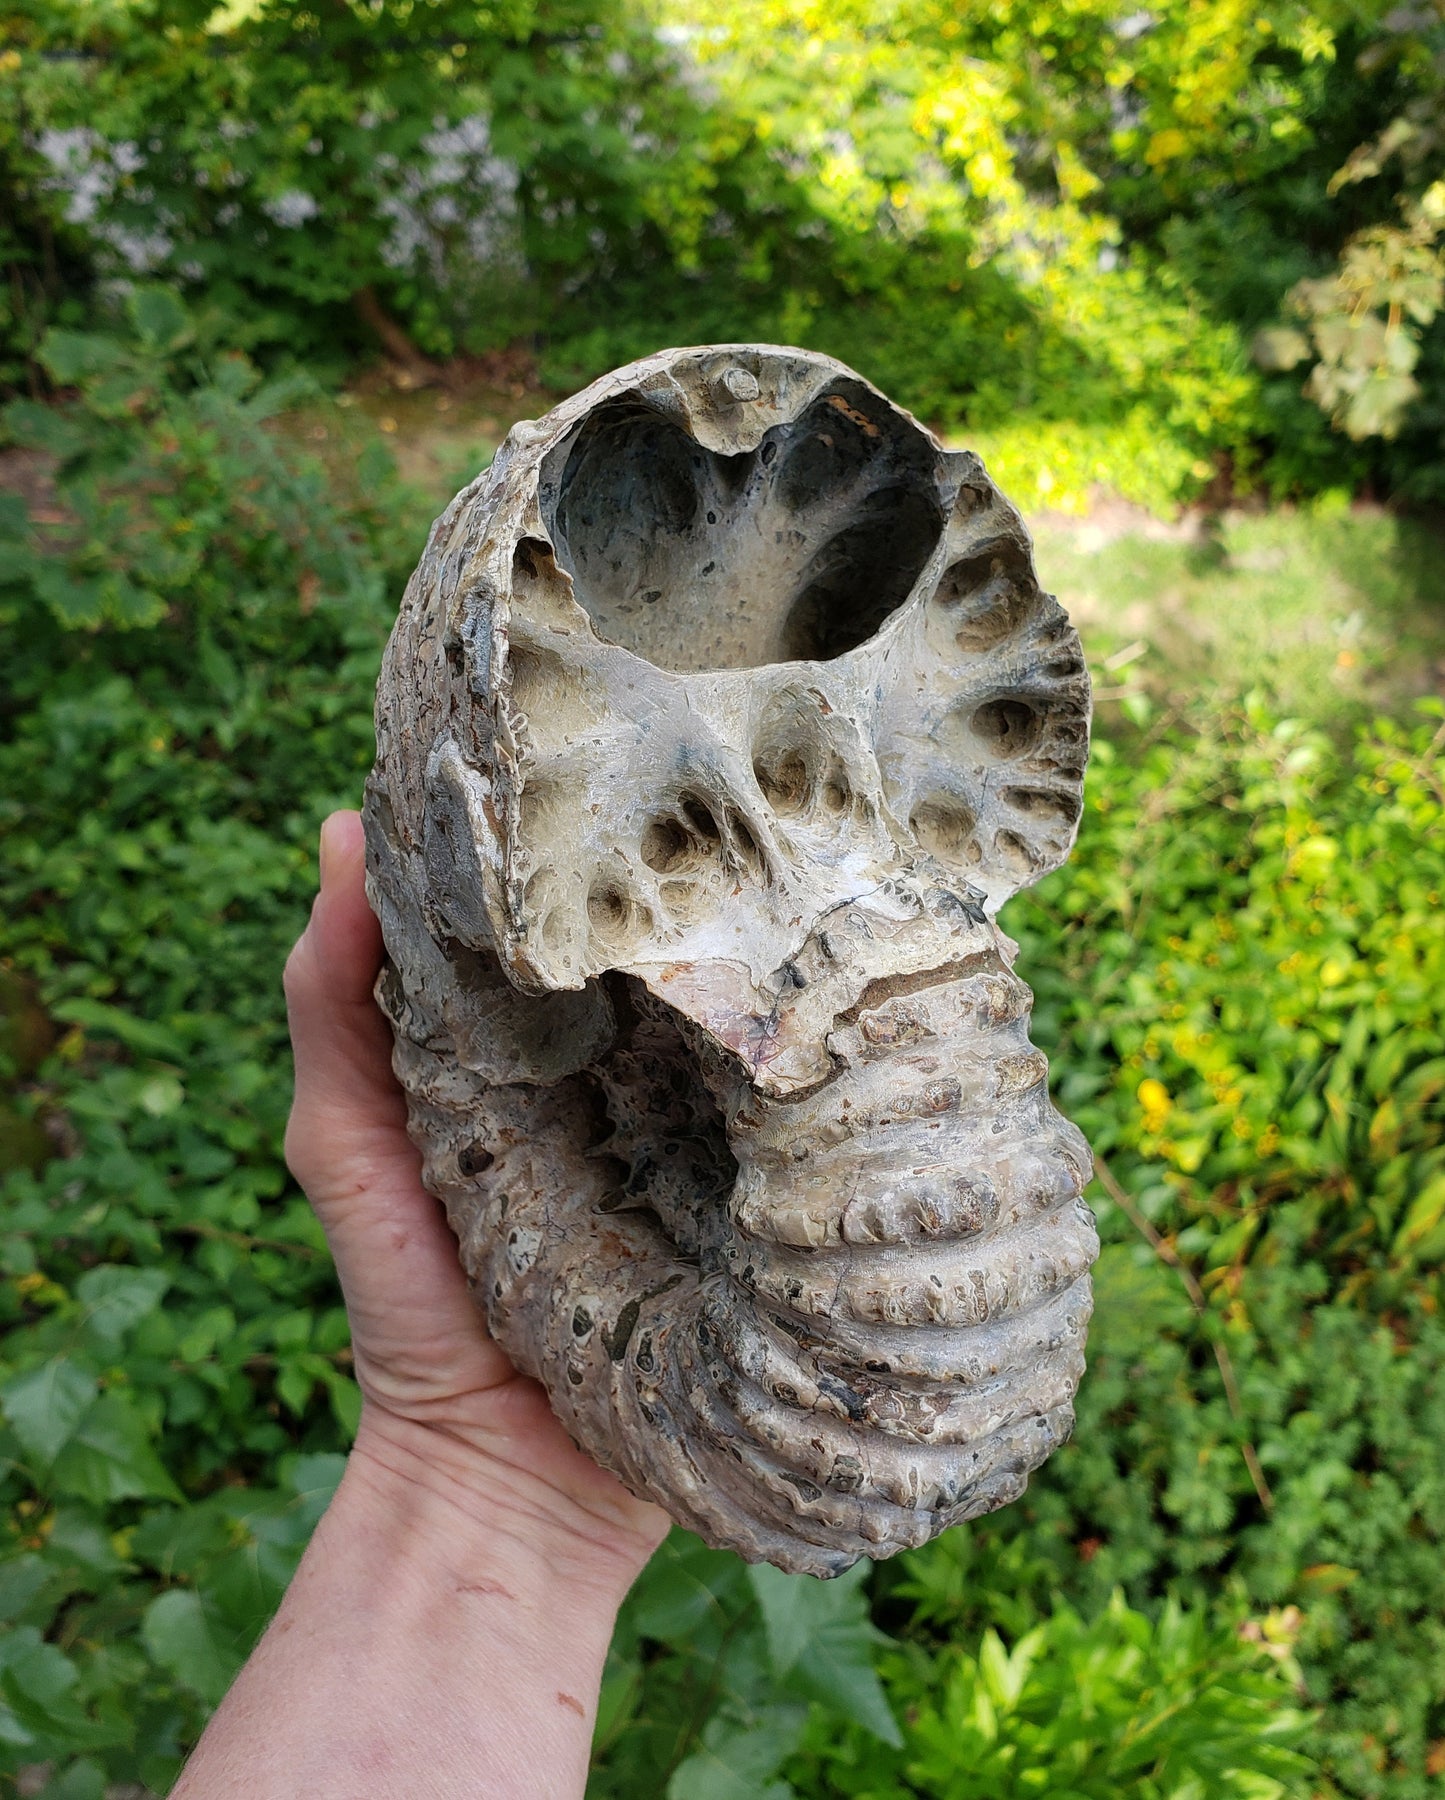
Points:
[(276, 278)]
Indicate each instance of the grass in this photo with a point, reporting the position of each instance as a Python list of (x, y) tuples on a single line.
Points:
[(1338, 611)]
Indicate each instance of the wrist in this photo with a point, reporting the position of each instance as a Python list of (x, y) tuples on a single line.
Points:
[(446, 1504), (440, 1621)]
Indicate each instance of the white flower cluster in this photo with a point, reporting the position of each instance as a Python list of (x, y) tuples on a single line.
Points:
[(451, 213), (90, 171), (457, 210)]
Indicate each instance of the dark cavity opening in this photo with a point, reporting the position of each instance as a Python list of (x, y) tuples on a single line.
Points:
[(796, 551), (1008, 728), (666, 1130)]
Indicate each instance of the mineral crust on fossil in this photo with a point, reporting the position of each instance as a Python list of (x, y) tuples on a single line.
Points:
[(722, 714)]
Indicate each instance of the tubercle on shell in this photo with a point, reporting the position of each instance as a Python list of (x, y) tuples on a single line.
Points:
[(712, 1047)]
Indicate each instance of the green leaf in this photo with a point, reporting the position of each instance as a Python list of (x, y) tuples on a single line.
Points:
[(738, 1756), (36, 1679), (792, 1606), (44, 1672), (76, 600), (79, 1538), (182, 1541), (1423, 1218), (161, 1095), (345, 1397), (83, 1780), (45, 1405), (684, 1587), (820, 1637), (118, 1297), (185, 1641), (21, 1579), (314, 1479), (295, 1380), (60, 434), (109, 1456), (618, 1695), (72, 357), (160, 318), (50, 1722), (837, 1669), (142, 1035)]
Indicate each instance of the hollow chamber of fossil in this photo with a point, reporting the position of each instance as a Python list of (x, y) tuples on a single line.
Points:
[(722, 714)]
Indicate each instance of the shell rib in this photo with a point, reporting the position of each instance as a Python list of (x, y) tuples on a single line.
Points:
[(720, 716)]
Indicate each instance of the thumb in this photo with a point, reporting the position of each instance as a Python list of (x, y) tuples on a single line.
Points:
[(346, 1096), (347, 1143)]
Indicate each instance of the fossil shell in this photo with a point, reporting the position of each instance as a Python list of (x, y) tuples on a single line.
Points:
[(722, 713)]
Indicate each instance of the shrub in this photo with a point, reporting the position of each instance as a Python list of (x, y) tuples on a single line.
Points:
[(1059, 227), (193, 613), (1161, 1709), (189, 642), (1268, 1074)]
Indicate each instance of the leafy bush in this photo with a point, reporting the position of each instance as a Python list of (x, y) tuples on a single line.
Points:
[(1163, 1709), (162, 786), (1273, 1065), (1059, 226), (1241, 1017), (1338, 1409), (1239, 972), (307, 177)]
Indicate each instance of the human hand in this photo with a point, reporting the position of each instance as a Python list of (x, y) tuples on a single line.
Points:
[(443, 1409), (444, 1636)]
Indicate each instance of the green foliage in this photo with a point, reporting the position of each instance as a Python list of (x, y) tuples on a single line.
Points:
[(1236, 980), (298, 173), (1338, 1406), (1364, 321), (1059, 228), (189, 642), (1166, 1709), (712, 1671), (205, 472), (1274, 1061), (1240, 974)]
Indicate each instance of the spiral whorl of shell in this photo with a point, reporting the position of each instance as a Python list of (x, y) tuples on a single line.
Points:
[(720, 717)]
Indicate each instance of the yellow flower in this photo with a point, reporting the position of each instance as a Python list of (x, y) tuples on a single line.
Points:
[(1164, 146), (1154, 1098)]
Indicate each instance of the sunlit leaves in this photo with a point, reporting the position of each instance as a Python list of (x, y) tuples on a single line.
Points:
[(1120, 1705), (1276, 1040)]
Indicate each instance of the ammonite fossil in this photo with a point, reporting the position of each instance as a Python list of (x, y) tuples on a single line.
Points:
[(722, 714)]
